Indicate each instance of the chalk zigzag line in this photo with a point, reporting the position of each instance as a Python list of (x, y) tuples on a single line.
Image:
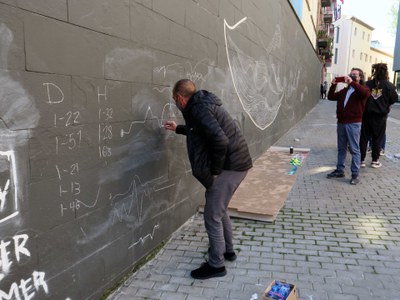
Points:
[(141, 240)]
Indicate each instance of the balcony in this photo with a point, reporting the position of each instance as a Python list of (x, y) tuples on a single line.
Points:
[(328, 17), (326, 3), (322, 43), (326, 53)]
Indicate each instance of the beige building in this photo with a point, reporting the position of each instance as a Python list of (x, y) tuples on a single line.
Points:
[(352, 48), (380, 56), (308, 17)]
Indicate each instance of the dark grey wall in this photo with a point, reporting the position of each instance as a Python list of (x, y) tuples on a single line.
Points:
[(89, 181)]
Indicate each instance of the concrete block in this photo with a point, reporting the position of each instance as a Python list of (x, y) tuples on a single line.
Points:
[(198, 19), (149, 28), (57, 47), (107, 16), (209, 5), (172, 9), (56, 9)]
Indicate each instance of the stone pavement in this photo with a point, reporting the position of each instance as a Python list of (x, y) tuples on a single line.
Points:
[(333, 240)]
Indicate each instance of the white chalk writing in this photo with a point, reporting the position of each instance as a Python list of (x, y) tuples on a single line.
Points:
[(8, 193), (60, 98), (3, 194), (26, 288)]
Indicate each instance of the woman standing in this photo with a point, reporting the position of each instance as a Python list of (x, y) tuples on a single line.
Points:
[(383, 95)]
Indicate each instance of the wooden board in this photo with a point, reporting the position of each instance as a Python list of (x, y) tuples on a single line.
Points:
[(264, 190)]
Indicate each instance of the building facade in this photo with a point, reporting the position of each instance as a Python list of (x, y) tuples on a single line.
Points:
[(352, 48)]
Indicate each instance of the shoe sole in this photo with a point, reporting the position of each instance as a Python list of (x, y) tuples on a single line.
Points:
[(376, 166), (220, 274), (330, 177)]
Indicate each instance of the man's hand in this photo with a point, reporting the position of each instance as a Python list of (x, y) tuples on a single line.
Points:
[(347, 79), (170, 125)]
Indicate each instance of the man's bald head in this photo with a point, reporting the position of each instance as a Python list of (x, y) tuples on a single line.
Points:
[(184, 87)]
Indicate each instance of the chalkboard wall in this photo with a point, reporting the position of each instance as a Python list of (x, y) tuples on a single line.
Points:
[(90, 182)]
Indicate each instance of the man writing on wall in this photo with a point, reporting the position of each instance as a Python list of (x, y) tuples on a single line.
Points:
[(219, 158)]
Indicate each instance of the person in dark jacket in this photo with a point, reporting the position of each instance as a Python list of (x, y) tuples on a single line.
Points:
[(349, 111), (219, 158), (383, 95)]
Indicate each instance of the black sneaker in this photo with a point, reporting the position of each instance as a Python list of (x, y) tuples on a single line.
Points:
[(231, 256), (206, 271), (354, 180), (335, 174)]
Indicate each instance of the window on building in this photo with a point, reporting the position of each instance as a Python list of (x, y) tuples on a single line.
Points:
[(355, 31), (353, 53), (363, 36), (361, 55), (376, 60), (366, 57), (370, 58), (337, 34), (336, 54), (368, 37)]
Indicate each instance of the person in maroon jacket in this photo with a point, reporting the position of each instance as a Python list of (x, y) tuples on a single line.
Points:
[(349, 111)]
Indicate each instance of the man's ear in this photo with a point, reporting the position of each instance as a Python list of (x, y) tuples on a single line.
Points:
[(180, 99)]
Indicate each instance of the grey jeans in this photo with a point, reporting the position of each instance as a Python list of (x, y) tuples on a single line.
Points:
[(216, 219)]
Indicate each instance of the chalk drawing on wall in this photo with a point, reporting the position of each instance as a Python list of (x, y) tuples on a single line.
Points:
[(187, 69), (17, 107), (133, 207), (260, 83), (149, 116), (128, 206), (8, 179), (119, 62), (141, 240)]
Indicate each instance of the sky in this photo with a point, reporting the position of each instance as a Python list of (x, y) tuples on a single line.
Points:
[(375, 13)]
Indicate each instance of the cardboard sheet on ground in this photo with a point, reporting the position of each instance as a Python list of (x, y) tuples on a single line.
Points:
[(264, 190)]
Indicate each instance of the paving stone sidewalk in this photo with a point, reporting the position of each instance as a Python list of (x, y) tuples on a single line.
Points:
[(333, 240)]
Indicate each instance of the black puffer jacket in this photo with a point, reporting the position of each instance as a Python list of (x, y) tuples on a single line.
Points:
[(214, 142)]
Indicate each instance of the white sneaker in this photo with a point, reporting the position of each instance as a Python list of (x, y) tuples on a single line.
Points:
[(382, 153), (376, 164), (363, 164)]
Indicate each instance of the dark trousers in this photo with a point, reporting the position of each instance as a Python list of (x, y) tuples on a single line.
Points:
[(374, 127)]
